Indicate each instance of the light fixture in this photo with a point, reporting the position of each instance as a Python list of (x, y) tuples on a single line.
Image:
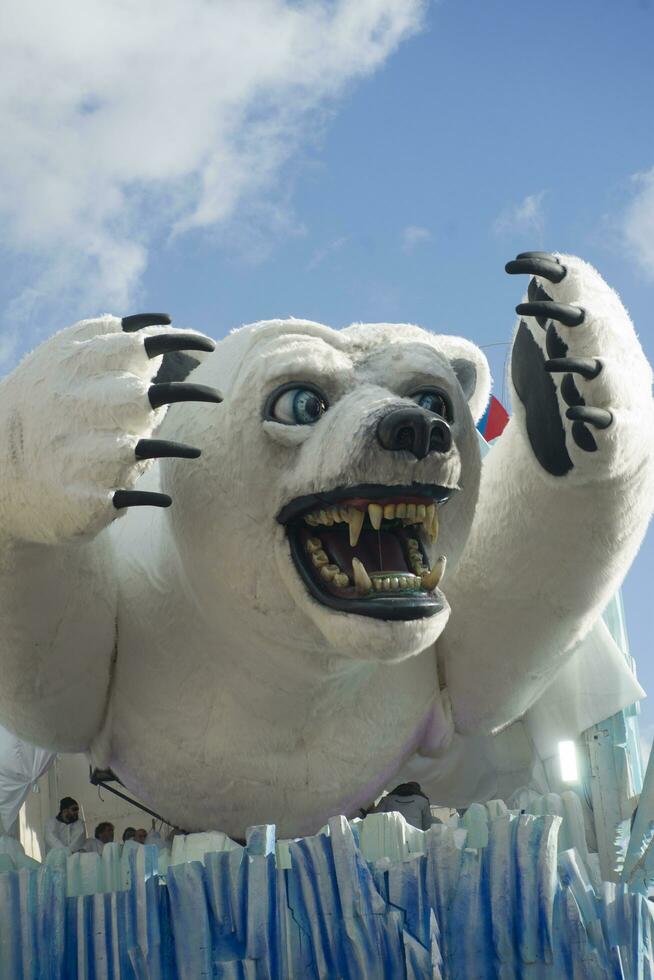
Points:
[(568, 761)]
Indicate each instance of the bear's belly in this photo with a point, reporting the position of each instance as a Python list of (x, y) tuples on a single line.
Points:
[(198, 797), (215, 738), (230, 787), (237, 771)]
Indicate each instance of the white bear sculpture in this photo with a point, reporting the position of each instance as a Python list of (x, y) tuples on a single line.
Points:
[(275, 645)]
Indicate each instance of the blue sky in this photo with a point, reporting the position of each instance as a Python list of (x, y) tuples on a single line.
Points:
[(363, 160)]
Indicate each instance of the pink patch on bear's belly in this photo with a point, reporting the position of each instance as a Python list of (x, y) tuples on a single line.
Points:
[(424, 734)]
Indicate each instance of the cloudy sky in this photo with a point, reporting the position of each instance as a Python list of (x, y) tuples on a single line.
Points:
[(230, 160)]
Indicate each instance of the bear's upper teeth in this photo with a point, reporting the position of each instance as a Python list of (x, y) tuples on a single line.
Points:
[(355, 520), (425, 514), (376, 515)]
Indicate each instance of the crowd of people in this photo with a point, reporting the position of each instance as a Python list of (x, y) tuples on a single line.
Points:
[(68, 830)]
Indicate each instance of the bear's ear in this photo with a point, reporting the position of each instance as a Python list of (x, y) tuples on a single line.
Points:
[(472, 371), (466, 373)]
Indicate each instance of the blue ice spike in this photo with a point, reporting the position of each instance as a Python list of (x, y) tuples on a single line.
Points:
[(370, 900)]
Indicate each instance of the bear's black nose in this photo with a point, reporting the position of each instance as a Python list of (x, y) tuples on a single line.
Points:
[(414, 430)]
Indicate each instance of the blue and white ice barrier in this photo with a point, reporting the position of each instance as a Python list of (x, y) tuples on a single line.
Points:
[(374, 899)]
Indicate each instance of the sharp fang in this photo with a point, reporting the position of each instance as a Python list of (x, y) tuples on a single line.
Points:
[(430, 580), (389, 512), (356, 519), (376, 514), (362, 581), (433, 528)]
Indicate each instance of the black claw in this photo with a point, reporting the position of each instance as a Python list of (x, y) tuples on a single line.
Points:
[(556, 348), (160, 448), (140, 320), (569, 391), (140, 498), (599, 417), (537, 264), (569, 316), (164, 343), (181, 391), (587, 367), (583, 437)]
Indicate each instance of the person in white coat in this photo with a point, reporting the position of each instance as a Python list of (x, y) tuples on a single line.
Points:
[(66, 829), (409, 800), (104, 834)]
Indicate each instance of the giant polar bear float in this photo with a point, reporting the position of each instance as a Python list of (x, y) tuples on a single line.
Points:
[(277, 644)]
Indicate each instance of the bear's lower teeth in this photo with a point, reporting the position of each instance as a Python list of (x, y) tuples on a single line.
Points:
[(386, 581), (395, 582), (328, 570)]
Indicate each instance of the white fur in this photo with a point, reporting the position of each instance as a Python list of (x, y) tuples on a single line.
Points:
[(235, 698), (546, 553)]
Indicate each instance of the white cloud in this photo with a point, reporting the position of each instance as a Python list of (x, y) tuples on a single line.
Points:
[(638, 225), (527, 216), (414, 235), (124, 122), (321, 254)]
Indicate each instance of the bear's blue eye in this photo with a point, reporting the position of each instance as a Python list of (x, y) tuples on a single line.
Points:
[(296, 406), (433, 400)]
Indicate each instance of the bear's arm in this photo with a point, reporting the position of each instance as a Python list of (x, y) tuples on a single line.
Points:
[(76, 418), (565, 499), (58, 610)]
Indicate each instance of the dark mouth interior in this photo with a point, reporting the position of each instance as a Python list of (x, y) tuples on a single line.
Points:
[(382, 551)]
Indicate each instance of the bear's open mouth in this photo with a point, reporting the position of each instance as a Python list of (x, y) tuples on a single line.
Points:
[(363, 549)]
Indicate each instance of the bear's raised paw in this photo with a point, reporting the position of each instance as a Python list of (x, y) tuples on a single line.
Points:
[(576, 368)]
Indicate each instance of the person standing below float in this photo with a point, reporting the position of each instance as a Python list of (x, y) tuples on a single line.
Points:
[(66, 829), (409, 800), (104, 834)]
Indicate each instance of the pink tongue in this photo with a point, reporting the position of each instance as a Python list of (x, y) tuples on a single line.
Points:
[(367, 550)]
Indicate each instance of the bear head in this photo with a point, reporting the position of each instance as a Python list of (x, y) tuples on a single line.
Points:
[(340, 467)]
